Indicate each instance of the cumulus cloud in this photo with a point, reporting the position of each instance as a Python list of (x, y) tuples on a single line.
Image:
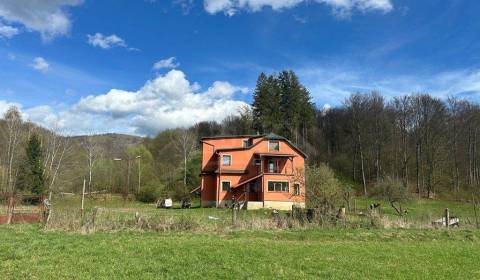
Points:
[(7, 31), (341, 8), (49, 17), (167, 63), (40, 64), (167, 101)]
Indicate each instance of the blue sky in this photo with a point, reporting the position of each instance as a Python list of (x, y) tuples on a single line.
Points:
[(142, 66)]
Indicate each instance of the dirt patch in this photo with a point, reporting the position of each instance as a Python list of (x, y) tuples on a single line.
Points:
[(22, 218)]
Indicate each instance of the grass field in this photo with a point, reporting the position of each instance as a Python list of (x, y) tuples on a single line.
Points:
[(201, 243), (26, 252)]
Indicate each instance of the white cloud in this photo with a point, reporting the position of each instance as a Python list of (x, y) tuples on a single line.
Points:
[(49, 17), (332, 85), (340, 8), (167, 63), (4, 106), (106, 42), (167, 101), (40, 64), (8, 31)]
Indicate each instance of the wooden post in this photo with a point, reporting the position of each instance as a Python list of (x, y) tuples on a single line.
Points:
[(94, 214), (234, 213), (447, 217), (83, 198), (475, 211), (10, 209)]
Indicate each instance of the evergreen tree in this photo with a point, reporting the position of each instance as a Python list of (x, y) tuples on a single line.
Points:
[(32, 178), (266, 101), (298, 111)]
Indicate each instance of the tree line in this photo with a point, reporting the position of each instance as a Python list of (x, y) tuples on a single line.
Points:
[(427, 145)]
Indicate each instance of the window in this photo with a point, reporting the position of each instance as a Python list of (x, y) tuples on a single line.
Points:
[(227, 160), (274, 146), (257, 162), (247, 143), (296, 189), (225, 186), (272, 166), (274, 186)]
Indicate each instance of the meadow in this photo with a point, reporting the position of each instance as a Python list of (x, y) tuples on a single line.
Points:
[(202, 243)]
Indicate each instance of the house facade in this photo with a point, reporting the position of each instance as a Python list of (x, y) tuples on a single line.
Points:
[(260, 171)]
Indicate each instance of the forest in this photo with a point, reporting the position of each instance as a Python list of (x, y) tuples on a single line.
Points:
[(426, 145)]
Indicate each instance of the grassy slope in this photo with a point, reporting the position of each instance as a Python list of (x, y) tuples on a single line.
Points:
[(27, 252)]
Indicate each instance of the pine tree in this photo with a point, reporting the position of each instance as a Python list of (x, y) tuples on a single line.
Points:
[(266, 99), (32, 178)]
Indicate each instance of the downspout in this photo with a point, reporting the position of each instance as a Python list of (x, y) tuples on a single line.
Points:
[(217, 203)]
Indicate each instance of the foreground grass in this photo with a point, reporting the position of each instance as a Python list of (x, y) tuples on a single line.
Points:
[(26, 252)]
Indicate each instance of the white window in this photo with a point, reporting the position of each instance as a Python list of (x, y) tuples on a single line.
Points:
[(225, 186), (296, 189), (274, 186), (274, 146), (227, 160)]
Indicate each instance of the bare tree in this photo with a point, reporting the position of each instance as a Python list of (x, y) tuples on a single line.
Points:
[(13, 120), (56, 147), (92, 154), (185, 143)]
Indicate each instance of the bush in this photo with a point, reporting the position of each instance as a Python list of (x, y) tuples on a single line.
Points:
[(150, 193), (323, 189), (392, 191)]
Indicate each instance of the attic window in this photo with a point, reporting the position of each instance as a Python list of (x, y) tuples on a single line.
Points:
[(247, 143), (227, 160), (274, 146)]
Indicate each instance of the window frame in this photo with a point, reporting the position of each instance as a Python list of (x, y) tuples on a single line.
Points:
[(229, 186), (270, 142), (223, 159), (281, 188)]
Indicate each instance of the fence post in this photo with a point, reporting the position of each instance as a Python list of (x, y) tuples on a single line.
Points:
[(234, 214), (447, 217), (10, 208), (475, 211)]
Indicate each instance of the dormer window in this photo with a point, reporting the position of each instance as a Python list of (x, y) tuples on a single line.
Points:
[(274, 146), (227, 160), (247, 143)]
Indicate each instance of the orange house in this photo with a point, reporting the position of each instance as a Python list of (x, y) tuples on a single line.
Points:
[(260, 171)]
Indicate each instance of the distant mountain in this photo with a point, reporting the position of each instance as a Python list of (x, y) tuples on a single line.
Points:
[(111, 143)]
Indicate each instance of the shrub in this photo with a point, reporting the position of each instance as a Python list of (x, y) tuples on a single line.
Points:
[(393, 191), (323, 189), (150, 193)]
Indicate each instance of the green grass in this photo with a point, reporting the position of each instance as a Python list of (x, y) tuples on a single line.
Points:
[(29, 253)]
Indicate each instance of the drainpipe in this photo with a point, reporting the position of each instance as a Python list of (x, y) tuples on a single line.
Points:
[(217, 203)]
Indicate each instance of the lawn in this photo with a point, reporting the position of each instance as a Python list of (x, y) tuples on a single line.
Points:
[(27, 252)]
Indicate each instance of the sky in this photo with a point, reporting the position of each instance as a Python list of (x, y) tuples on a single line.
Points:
[(142, 66)]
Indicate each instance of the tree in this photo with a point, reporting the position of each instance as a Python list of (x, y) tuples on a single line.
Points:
[(394, 192), (265, 107), (32, 176), (13, 121), (184, 141), (92, 154)]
